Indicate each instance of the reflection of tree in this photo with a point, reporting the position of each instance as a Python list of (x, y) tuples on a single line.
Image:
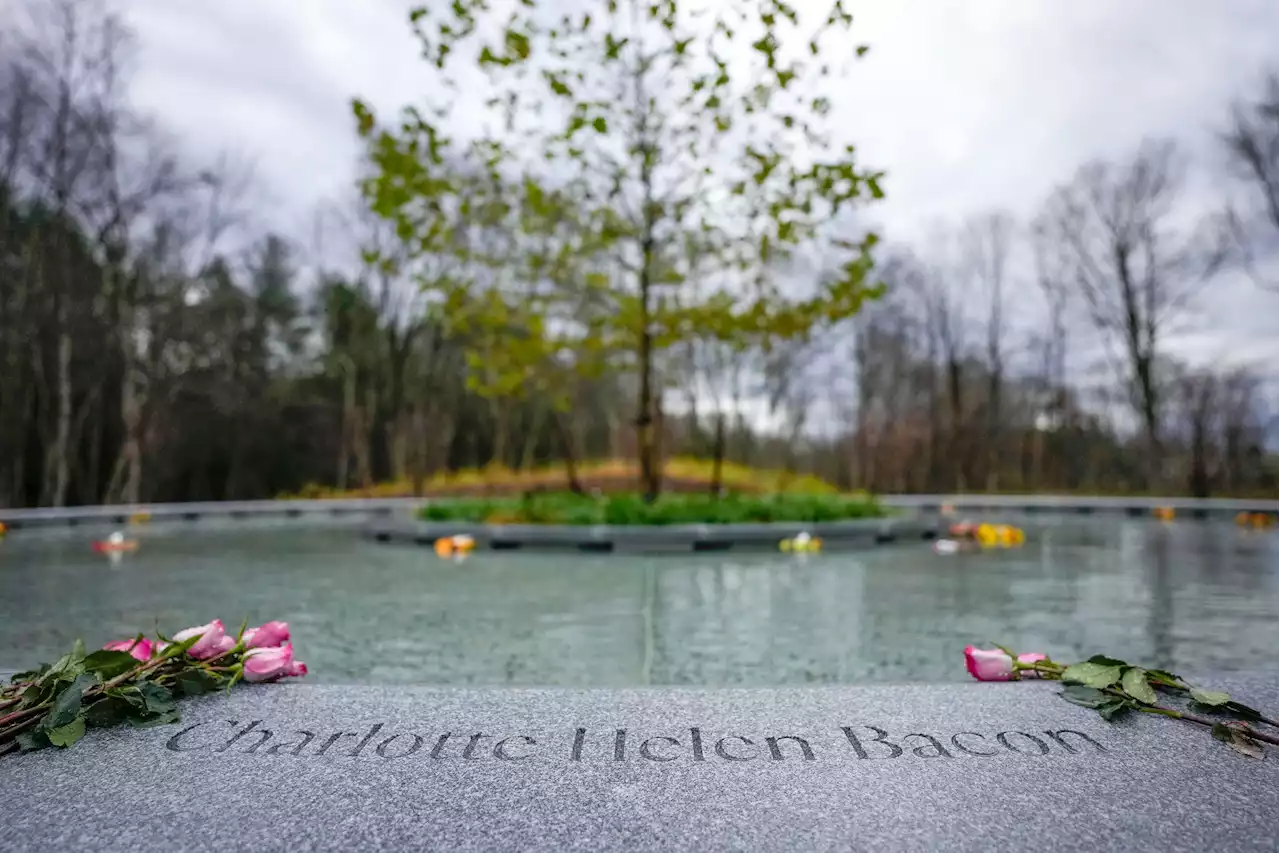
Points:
[(756, 622), (1162, 610)]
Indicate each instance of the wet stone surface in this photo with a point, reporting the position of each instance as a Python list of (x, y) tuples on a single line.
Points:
[(978, 767)]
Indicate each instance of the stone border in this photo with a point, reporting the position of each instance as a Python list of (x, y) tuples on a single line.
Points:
[(386, 507), (862, 533), (1072, 505)]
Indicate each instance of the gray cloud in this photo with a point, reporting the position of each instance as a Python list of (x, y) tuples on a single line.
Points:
[(968, 106)]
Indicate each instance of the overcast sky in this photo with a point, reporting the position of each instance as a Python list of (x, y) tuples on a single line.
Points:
[(967, 105)]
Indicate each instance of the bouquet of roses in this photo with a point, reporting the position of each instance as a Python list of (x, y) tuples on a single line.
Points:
[(137, 681)]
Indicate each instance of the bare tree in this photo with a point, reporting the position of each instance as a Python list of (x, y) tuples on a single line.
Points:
[(1251, 142), (1135, 269), (986, 244)]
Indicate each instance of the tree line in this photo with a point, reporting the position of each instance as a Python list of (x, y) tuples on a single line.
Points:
[(609, 275)]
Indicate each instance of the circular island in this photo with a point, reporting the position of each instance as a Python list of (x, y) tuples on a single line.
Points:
[(678, 522)]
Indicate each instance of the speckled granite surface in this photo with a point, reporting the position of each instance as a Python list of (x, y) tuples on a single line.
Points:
[(981, 767)]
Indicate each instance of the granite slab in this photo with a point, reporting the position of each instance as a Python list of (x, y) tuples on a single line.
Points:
[(981, 767)]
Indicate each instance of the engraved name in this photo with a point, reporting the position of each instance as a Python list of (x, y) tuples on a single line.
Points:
[(694, 744)]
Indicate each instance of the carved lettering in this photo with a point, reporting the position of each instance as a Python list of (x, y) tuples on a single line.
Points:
[(172, 743), (866, 742), (646, 752), (469, 751), (728, 756), (264, 736), (382, 747), (334, 738), (881, 735), (297, 747), (377, 727), (1059, 738), (955, 741), (500, 748), (939, 751), (1003, 739), (775, 752)]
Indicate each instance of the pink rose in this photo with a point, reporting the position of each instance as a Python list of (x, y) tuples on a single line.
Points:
[(139, 649), (266, 636), (270, 664), (993, 664), (213, 640), (1031, 657), (984, 665)]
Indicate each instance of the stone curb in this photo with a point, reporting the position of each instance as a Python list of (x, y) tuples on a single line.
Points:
[(863, 533)]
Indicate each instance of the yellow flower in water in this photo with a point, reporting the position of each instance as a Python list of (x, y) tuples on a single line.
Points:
[(801, 542)]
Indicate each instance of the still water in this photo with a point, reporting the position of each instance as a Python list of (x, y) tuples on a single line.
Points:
[(1190, 596)]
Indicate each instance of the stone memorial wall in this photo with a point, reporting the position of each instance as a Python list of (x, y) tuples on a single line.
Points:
[(979, 767)]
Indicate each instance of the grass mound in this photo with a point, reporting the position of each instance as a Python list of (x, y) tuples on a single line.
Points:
[(631, 509), (682, 474)]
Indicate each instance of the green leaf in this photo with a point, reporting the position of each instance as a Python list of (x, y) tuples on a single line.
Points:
[(1113, 709), (164, 719), (1092, 674), (1241, 710), (1162, 677), (67, 706), (64, 736), (158, 699), (1240, 742), (107, 711), (128, 694), (600, 124), (107, 664), (1134, 682), (1088, 697), (195, 682), (1212, 698), (32, 740), (29, 675), (1106, 661)]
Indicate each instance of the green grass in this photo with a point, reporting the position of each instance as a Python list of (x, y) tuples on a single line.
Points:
[(630, 509)]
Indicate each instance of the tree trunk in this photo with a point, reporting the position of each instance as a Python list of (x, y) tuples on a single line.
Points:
[(531, 436), (566, 446), (57, 463), (717, 458)]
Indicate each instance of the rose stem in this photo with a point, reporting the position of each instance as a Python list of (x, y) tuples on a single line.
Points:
[(1205, 721)]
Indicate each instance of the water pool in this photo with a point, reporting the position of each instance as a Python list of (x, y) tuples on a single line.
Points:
[(1189, 595)]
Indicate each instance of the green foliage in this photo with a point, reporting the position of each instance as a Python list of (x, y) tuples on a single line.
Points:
[(630, 509)]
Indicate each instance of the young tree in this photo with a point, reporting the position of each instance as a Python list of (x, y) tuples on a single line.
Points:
[(640, 107)]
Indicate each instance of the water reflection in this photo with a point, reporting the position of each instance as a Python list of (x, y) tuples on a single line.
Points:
[(1188, 595)]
